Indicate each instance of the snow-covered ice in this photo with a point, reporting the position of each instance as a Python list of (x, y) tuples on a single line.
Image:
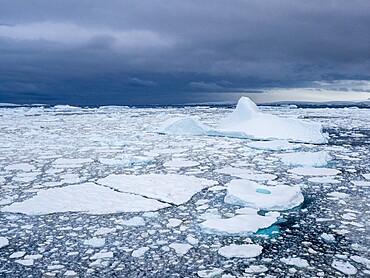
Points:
[(176, 189), (251, 194), (240, 251), (298, 262), (311, 171), (314, 159), (3, 242), (88, 198), (344, 267)]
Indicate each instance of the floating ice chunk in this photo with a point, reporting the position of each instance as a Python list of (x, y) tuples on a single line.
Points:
[(180, 163), (20, 167), (70, 273), (234, 171), (89, 198), (134, 221), (310, 171), (339, 195), (33, 257), (210, 273), (173, 222), (251, 194), (192, 240), (298, 262), (16, 255), (273, 145), (245, 224), (258, 177), (102, 255), (361, 260), (361, 183), (104, 231), (181, 248), (28, 262), (344, 267), (183, 126), (240, 251), (139, 252), (95, 242), (71, 162), (256, 269), (3, 242), (176, 189), (316, 159), (323, 180), (366, 176), (247, 120), (126, 161), (327, 237)]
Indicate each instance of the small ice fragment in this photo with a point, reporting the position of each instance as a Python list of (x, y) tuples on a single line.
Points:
[(256, 269), (25, 262), (134, 221), (102, 255), (3, 242), (139, 252), (298, 262), (17, 255), (310, 171), (181, 248), (240, 251), (210, 273), (327, 237), (95, 242), (344, 267), (173, 222)]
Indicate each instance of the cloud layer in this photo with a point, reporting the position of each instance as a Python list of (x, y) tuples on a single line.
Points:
[(127, 52)]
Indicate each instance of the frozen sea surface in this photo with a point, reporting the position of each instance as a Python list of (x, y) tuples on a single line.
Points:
[(98, 192)]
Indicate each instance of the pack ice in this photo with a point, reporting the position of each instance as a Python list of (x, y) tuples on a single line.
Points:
[(247, 121)]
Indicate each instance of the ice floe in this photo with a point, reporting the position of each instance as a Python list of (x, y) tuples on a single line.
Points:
[(171, 188), (3, 242), (251, 194), (294, 261), (89, 198), (244, 224), (344, 267), (311, 171), (314, 159), (273, 145), (240, 251), (181, 248)]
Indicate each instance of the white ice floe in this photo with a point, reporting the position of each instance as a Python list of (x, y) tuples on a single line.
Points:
[(256, 269), (246, 174), (26, 167), (180, 163), (240, 251), (298, 262), (126, 161), (173, 222), (134, 221), (176, 189), (344, 267), (361, 260), (251, 194), (244, 224), (71, 162), (246, 120), (314, 159), (273, 145), (28, 262), (361, 183), (210, 273), (102, 255), (89, 198), (95, 242), (17, 255), (3, 242), (366, 176), (338, 195), (327, 237), (181, 248), (139, 252), (311, 171), (323, 180)]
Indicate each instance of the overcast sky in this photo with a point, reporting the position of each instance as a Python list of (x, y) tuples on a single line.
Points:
[(148, 52)]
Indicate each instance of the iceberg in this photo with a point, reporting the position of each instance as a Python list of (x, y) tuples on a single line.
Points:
[(247, 121), (251, 194)]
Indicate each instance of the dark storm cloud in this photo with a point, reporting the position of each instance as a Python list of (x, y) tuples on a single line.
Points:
[(82, 50)]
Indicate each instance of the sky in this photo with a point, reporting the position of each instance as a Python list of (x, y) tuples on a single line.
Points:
[(176, 52)]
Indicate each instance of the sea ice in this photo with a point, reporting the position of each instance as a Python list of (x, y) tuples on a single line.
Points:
[(344, 267), (180, 163), (251, 194), (20, 167), (3, 242), (175, 189), (89, 198), (183, 126), (273, 145), (247, 120), (298, 262), (95, 242), (181, 248), (240, 251), (314, 159), (139, 252), (366, 176), (244, 224), (311, 171)]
